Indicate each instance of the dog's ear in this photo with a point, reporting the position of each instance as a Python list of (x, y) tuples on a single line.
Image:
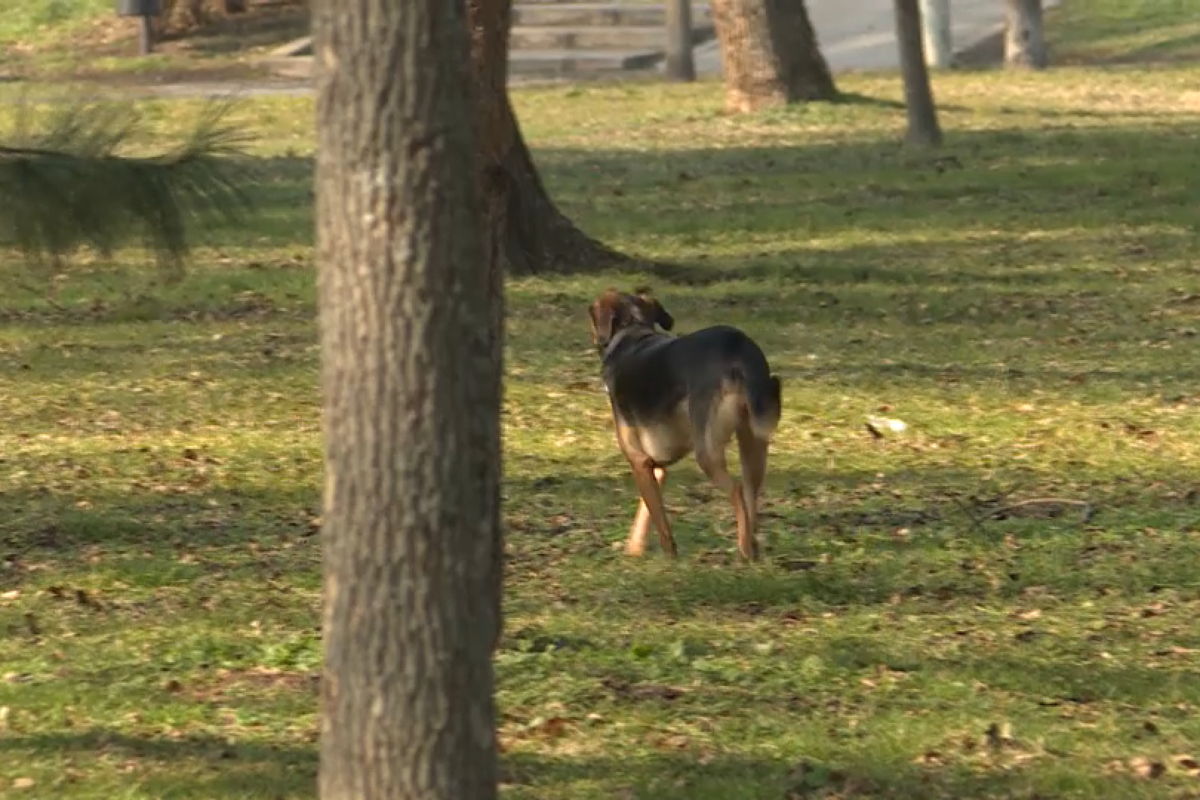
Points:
[(664, 320), (604, 316), (655, 311)]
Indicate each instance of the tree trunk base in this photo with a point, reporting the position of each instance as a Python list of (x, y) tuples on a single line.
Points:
[(534, 236), (770, 54)]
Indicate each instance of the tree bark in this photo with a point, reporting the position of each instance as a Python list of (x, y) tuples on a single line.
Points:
[(411, 420), (681, 63), (936, 33), (531, 234), (923, 128), (1024, 36), (769, 54)]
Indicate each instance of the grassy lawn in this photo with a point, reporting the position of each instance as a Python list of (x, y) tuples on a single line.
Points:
[(85, 39), (1028, 302)]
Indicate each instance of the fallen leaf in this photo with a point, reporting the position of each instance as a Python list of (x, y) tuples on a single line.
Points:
[(676, 741), (23, 783), (999, 734), (550, 727), (1188, 764), (1145, 768)]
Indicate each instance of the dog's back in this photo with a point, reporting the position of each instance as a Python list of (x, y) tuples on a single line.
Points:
[(730, 366), (693, 391)]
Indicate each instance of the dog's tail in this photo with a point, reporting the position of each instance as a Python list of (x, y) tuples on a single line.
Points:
[(764, 397)]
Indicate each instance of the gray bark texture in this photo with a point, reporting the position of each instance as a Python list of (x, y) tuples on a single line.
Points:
[(1025, 36), (680, 60), (923, 128), (411, 386), (770, 54)]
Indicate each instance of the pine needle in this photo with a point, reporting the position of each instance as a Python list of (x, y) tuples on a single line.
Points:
[(69, 184)]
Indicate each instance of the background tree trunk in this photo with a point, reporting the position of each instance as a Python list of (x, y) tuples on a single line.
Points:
[(411, 424), (681, 62), (923, 128), (535, 236), (1024, 36), (769, 54)]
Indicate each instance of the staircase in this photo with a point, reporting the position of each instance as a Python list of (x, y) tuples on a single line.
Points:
[(552, 38)]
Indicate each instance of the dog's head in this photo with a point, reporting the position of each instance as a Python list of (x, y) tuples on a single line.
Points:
[(615, 311)]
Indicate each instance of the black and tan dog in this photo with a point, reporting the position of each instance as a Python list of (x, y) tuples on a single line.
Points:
[(672, 395)]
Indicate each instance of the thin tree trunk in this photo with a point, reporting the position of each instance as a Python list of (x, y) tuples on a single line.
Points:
[(411, 388), (923, 128), (535, 236), (769, 54), (1024, 36), (681, 63)]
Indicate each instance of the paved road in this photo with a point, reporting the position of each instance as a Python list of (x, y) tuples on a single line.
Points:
[(861, 34), (853, 34)]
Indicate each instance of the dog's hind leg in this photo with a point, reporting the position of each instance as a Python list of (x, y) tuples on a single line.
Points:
[(639, 533), (713, 464), (753, 454), (647, 483)]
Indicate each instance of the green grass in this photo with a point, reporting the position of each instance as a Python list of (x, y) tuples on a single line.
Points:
[(1027, 301), (54, 40), (1124, 31), (24, 24)]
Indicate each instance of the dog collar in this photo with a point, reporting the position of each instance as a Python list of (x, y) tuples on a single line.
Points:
[(612, 344)]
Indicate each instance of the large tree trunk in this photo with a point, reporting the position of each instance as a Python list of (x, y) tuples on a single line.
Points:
[(1024, 36), (411, 387), (923, 128), (533, 235), (769, 54)]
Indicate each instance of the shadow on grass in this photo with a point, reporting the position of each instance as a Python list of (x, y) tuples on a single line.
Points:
[(834, 553), (204, 766), (195, 766), (863, 546), (686, 776), (1031, 207), (1069, 179), (1082, 188)]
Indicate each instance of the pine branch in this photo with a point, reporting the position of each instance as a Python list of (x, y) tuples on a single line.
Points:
[(73, 184)]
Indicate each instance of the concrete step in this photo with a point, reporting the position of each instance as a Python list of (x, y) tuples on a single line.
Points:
[(598, 37), (573, 2), (524, 63), (597, 14), (571, 62)]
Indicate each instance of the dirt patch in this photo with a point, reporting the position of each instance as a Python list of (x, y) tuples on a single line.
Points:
[(256, 679)]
